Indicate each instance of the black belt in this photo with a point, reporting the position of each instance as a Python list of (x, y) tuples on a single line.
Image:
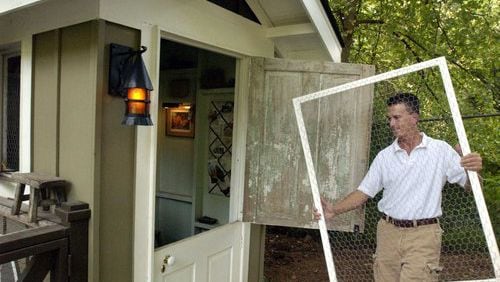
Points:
[(409, 223)]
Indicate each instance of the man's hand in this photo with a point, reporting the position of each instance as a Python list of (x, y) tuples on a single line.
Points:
[(327, 209), (472, 161), (352, 201)]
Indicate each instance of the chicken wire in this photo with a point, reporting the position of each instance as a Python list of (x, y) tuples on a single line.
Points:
[(466, 253), (10, 151)]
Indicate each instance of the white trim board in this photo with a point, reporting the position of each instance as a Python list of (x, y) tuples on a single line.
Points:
[(462, 138), (319, 18), (25, 105)]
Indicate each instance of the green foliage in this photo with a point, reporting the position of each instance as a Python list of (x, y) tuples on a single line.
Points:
[(492, 196)]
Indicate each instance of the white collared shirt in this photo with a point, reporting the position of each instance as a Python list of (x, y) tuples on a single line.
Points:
[(413, 183)]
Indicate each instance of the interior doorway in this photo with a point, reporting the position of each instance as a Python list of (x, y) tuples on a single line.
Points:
[(195, 132)]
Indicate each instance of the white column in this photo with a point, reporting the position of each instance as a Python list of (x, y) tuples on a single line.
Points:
[(25, 106), (145, 166)]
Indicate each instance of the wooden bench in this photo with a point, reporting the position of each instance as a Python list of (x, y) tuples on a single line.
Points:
[(45, 189)]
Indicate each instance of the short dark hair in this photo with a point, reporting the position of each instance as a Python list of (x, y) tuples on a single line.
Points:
[(410, 100)]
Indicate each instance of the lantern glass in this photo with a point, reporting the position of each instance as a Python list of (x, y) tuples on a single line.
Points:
[(137, 107), (137, 101)]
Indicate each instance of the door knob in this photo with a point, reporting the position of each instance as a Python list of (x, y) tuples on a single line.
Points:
[(169, 260)]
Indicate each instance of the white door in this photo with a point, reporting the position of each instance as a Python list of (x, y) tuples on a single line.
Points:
[(212, 256), (216, 253)]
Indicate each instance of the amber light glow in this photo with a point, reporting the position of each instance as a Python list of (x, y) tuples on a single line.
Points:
[(137, 100)]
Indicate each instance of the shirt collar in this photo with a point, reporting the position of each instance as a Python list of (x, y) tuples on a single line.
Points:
[(423, 144)]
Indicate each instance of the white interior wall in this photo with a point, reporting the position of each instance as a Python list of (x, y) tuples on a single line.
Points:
[(213, 205), (175, 163)]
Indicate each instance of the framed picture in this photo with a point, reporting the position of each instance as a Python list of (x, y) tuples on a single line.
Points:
[(180, 122)]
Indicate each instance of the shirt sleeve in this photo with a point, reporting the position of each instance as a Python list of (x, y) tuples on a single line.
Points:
[(372, 182), (455, 173)]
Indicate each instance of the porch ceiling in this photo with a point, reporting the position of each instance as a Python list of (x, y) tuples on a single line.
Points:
[(13, 5), (297, 28)]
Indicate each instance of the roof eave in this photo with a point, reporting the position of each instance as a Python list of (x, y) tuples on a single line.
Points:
[(319, 17)]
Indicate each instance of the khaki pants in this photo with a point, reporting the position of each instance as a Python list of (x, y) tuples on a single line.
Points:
[(407, 254)]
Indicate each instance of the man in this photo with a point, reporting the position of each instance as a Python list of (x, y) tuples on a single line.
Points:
[(412, 172)]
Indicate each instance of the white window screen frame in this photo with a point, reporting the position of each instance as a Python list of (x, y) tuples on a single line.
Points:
[(462, 138)]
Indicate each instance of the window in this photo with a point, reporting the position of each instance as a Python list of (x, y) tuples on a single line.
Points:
[(10, 87)]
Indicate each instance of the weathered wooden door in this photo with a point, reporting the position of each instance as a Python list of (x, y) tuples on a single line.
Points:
[(277, 188)]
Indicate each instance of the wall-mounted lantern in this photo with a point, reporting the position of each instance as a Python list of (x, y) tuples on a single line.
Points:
[(129, 79)]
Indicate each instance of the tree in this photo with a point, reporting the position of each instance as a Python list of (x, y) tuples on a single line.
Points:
[(393, 33)]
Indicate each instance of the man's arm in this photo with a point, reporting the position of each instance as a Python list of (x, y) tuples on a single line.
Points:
[(350, 202)]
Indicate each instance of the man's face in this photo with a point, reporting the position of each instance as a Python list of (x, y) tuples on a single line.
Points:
[(402, 122)]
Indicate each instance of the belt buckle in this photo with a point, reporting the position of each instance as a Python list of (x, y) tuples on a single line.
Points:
[(415, 223)]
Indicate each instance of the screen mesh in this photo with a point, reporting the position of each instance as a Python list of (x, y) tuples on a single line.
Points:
[(10, 141), (463, 250)]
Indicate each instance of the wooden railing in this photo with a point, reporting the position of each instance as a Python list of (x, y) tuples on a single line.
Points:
[(56, 245)]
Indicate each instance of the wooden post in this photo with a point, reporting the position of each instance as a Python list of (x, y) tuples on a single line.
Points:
[(33, 209), (76, 215), (18, 198)]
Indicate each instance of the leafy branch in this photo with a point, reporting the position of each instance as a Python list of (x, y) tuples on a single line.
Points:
[(418, 59), (473, 73)]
